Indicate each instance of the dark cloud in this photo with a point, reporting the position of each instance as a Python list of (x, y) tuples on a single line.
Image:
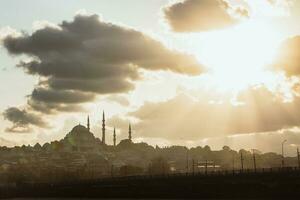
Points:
[(50, 101), (202, 15), (184, 117), (288, 58), (22, 120), (88, 49), (60, 96), (82, 58), (102, 86), (47, 107)]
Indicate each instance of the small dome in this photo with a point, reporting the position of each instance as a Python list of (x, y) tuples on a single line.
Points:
[(125, 143)]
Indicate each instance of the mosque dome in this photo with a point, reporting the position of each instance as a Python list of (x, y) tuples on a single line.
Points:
[(79, 129), (81, 138)]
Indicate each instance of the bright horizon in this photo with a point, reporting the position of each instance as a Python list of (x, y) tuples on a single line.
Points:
[(178, 76)]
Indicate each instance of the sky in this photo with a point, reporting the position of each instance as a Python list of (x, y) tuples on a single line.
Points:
[(189, 72)]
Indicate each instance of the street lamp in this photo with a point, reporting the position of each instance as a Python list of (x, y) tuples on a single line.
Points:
[(254, 160), (298, 157), (282, 161), (187, 161)]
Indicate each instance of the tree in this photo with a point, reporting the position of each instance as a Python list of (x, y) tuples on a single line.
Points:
[(126, 170), (159, 165)]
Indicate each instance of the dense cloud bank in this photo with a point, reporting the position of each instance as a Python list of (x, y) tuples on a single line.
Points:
[(77, 60), (202, 15), (259, 110), (96, 52)]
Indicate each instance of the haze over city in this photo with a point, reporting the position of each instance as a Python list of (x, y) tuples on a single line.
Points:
[(177, 75)]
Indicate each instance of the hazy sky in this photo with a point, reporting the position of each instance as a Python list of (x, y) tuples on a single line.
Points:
[(191, 72)]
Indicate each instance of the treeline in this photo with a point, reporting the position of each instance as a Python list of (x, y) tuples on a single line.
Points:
[(38, 164)]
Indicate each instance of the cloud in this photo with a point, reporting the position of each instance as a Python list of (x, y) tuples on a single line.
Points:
[(270, 8), (123, 101), (51, 101), (119, 123), (8, 31), (58, 96), (183, 117), (202, 15), (22, 120), (87, 48), (288, 58), (77, 60), (282, 3)]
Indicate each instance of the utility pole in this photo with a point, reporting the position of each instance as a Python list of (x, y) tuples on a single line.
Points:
[(112, 171), (282, 154), (149, 169), (254, 160), (298, 156), (193, 167), (242, 161), (233, 162), (114, 137), (88, 122), (103, 127), (187, 161), (214, 167), (206, 167)]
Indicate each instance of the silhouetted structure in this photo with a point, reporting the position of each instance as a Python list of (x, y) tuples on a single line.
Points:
[(242, 161), (282, 152), (298, 157), (80, 139), (88, 122), (115, 139), (129, 133), (103, 128), (82, 156), (254, 160)]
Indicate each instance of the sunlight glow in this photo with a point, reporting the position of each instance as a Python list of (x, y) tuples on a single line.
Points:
[(239, 56)]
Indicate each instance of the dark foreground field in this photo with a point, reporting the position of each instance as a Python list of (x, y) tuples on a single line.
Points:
[(266, 185)]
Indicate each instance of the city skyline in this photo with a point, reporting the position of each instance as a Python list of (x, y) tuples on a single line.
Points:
[(163, 67)]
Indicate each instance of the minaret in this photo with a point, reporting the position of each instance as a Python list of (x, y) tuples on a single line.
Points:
[(103, 128), (115, 139), (129, 132), (88, 123)]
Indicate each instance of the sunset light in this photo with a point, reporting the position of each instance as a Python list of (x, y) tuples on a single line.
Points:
[(160, 99), (241, 54)]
